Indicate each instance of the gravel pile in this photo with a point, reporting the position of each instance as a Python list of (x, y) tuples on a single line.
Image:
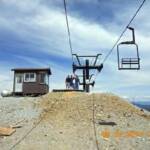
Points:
[(76, 121)]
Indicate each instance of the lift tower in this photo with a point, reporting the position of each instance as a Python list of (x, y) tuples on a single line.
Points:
[(86, 67)]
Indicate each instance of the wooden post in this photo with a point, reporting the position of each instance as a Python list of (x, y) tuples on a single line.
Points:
[(48, 83), (84, 80), (87, 75), (14, 83)]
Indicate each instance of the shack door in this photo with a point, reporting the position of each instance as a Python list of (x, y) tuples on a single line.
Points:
[(18, 83)]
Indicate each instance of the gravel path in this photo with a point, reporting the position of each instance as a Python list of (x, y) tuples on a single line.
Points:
[(17, 111)]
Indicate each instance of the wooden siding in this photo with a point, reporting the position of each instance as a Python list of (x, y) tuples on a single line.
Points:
[(35, 87)]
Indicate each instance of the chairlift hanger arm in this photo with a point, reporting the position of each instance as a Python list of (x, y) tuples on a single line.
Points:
[(133, 37)]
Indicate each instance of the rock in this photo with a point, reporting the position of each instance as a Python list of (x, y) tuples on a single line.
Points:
[(99, 115), (109, 116), (126, 114), (16, 126), (6, 93), (6, 131), (128, 125)]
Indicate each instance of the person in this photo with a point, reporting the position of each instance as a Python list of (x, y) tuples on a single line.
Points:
[(76, 86), (74, 82), (68, 82), (71, 82)]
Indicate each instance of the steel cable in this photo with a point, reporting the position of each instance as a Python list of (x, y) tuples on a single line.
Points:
[(68, 29), (126, 27)]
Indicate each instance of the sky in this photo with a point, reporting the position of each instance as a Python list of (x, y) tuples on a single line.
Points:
[(33, 33)]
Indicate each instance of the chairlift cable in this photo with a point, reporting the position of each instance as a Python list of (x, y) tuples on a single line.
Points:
[(137, 11), (32, 129), (111, 50), (68, 29), (94, 122)]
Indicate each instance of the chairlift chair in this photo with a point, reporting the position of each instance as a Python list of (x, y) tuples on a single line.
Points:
[(131, 63)]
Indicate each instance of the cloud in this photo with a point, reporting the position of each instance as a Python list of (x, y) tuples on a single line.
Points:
[(35, 32), (48, 28)]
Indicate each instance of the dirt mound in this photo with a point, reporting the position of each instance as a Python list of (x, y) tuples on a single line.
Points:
[(59, 104), (106, 103), (79, 121)]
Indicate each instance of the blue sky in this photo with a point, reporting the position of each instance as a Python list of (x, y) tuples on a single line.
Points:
[(33, 34)]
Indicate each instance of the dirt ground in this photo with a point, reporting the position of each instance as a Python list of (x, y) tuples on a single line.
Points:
[(74, 121)]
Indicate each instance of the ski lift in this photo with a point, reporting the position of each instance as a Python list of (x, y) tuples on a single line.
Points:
[(85, 68), (129, 63)]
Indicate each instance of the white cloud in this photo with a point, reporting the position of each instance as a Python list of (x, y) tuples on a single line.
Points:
[(46, 26), (49, 26)]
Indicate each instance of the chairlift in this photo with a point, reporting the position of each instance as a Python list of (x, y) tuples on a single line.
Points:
[(131, 63), (86, 67)]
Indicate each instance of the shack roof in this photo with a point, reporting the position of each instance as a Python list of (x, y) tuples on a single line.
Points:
[(48, 70)]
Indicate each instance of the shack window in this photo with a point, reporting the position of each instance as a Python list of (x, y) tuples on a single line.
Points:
[(30, 77)]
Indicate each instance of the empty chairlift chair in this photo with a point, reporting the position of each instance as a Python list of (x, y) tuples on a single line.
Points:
[(129, 63)]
